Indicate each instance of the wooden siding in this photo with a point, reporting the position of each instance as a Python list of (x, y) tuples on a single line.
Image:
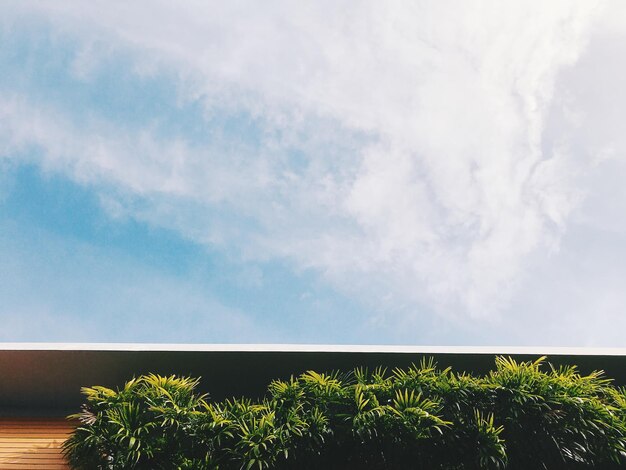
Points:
[(33, 443)]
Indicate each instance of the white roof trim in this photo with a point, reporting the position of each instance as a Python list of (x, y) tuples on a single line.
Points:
[(334, 348)]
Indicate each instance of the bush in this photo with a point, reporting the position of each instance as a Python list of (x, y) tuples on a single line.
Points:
[(525, 415)]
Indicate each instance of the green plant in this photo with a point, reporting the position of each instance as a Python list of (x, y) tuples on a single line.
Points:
[(526, 415), (144, 425)]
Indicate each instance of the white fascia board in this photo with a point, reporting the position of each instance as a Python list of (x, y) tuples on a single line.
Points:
[(316, 348)]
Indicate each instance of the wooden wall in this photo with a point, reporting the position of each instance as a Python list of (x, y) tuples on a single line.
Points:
[(33, 443)]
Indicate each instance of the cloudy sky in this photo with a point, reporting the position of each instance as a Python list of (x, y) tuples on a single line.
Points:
[(398, 172)]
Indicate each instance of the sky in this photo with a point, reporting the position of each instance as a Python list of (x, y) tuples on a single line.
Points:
[(331, 172)]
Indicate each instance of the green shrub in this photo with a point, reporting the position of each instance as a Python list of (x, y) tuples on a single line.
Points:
[(525, 415)]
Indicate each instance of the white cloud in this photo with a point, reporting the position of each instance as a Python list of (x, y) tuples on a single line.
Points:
[(424, 175), (577, 296)]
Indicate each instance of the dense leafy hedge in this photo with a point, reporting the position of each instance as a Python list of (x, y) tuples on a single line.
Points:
[(519, 416)]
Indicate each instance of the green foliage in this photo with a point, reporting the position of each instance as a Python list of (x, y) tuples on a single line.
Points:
[(526, 415)]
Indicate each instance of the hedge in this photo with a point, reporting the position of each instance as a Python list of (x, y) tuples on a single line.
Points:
[(527, 415)]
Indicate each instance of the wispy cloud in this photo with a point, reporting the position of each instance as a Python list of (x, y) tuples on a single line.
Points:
[(407, 152), (56, 289)]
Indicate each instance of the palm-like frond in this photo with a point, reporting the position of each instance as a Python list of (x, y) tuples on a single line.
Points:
[(521, 415)]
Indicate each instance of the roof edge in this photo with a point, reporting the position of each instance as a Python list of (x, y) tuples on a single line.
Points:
[(314, 348)]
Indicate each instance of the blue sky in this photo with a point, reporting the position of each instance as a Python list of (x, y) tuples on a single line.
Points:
[(313, 173)]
